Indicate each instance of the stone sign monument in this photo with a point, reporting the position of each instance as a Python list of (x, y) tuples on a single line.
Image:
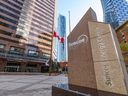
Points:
[(96, 65)]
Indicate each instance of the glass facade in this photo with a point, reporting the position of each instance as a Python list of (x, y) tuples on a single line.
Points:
[(115, 11), (24, 22), (61, 50)]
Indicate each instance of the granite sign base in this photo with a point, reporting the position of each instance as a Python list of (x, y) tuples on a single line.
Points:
[(95, 61), (56, 91)]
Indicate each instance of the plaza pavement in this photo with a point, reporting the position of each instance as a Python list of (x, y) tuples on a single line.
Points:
[(29, 85)]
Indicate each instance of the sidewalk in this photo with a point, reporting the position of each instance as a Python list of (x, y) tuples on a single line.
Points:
[(23, 73), (29, 85)]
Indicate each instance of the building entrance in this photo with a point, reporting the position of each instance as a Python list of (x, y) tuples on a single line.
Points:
[(12, 67), (31, 68)]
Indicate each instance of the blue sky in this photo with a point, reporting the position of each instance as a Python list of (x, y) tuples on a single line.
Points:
[(77, 9)]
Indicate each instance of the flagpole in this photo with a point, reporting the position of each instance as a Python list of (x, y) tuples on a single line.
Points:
[(69, 33), (69, 22)]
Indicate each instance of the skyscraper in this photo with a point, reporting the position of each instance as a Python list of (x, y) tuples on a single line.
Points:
[(25, 34), (115, 11), (61, 50)]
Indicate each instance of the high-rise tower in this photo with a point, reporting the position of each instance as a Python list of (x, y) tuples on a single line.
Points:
[(115, 11), (25, 34), (61, 50)]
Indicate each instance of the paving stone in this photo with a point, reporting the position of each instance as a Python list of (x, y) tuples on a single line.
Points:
[(25, 85)]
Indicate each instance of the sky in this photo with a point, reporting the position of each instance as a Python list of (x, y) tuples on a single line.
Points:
[(77, 9)]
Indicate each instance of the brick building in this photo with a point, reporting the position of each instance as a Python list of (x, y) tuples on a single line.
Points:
[(122, 35)]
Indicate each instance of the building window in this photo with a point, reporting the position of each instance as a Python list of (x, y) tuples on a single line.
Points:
[(32, 53), (47, 34), (50, 19), (7, 25), (46, 7), (43, 12), (9, 8), (5, 32), (40, 18), (16, 50), (2, 46), (45, 55), (8, 19), (46, 39), (14, 5), (45, 44), (19, 2), (32, 41), (8, 13)]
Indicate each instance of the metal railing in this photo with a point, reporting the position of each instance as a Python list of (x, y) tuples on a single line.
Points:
[(19, 56)]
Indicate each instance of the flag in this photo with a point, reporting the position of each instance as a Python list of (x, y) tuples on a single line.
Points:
[(62, 40), (54, 34), (58, 37)]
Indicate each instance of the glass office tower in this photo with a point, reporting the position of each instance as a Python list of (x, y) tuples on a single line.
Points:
[(115, 11), (25, 34), (61, 50)]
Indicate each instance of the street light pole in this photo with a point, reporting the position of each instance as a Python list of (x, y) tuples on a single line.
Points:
[(51, 61)]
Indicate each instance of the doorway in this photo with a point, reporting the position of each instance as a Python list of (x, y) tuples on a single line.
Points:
[(12, 67)]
